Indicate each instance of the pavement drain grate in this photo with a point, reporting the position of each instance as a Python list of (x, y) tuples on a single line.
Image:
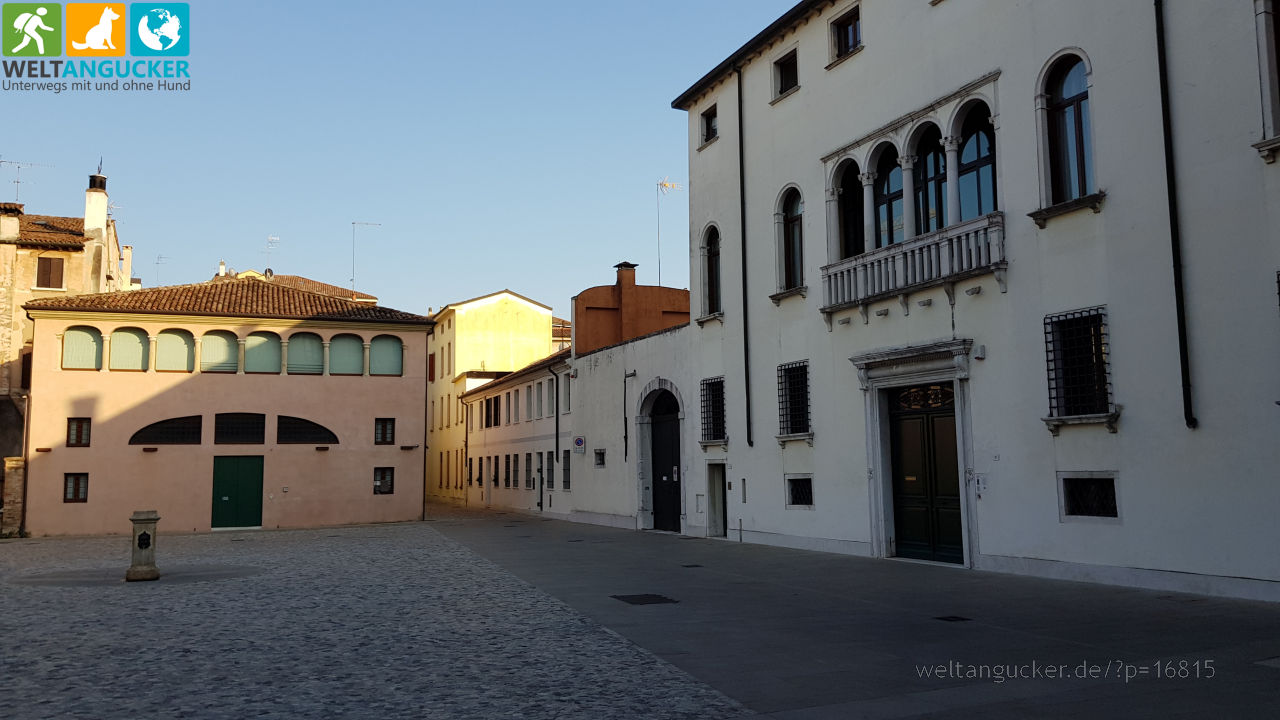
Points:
[(694, 565), (953, 618), (578, 540), (644, 599)]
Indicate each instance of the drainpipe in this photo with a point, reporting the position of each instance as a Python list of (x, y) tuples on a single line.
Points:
[(466, 448), (625, 435), (742, 221), (555, 383), (1175, 231), (26, 460)]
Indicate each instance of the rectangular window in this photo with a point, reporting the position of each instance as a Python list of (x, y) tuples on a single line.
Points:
[(515, 408), (448, 409), (539, 415), (564, 468), (75, 487), (440, 470), (384, 481), (507, 417), (566, 400), (786, 72), (528, 402), (515, 470), (497, 411), (599, 458), (541, 468), (551, 399), (847, 33), (1077, 349), (431, 367), (448, 357), (1089, 495), (528, 471), (49, 272), (470, 472), (713, 420), (384, 431), (506, 471), (78, 432), (488, 412), (793, 398), (239, 429), (551, 470), (800, 491), (710, 126)]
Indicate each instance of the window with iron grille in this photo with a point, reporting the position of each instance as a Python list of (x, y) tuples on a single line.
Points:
[(78, 432), (713, 421), (565, 466), (300, 431), (506, 471), (239, 429), (75, 487), (384, 481), (551, 470), (174, 431), (793, 398), (1093, 495), (494, 465), (800, 491), (599, 458), (528, 471), (1077, 350), (384, 431)]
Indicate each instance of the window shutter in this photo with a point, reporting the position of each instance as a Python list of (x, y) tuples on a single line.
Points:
[(82, 349), (218, 353), (346, 355), (130, 348), (175, 351), (42, 272), (306, 354), (385, 356), (262, 353), (55, 273)]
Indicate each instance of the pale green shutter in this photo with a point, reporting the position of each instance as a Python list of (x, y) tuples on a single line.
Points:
[(175, 351), (130, 349), (386, 356), (82, 349), (306, 354), (346, 355), (218, 352), (262, 353)]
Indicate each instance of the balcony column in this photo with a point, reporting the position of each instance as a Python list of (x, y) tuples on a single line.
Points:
[(908, 163), (952, 146), (834, 230), (151, 355), (106, 352), (870, 241), (197, 341), (366, 360), (239, 356), (324, 359), (284, 357)]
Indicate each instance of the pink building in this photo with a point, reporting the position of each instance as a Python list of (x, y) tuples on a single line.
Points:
[(238, 402)]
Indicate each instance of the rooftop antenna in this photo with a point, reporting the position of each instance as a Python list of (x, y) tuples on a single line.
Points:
[(112, 206), (665, 185), (160, 260), (353, 249), (17, 181), (273, 242)]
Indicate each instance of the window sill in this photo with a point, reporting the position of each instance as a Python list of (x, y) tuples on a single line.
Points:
[(706, 143), (45, 289), (844, 57), (707, 444), (1092, 201), (784, 439), (710, 317), (1108, 419), (778, 297), (1268, 149), (785, 95)]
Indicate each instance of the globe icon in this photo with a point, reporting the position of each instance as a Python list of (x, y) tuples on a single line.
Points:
[(159, 29)]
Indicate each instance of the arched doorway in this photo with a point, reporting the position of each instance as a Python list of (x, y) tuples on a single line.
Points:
[(664, 454)]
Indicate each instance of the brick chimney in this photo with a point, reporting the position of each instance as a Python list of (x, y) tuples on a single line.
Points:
[(626, 289), (10, 213), (95, 230)]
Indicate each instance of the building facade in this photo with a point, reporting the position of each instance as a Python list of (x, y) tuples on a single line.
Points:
[(232, 403), (1004, 303)]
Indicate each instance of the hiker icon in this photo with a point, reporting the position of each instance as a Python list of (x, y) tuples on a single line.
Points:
[(29, 24)]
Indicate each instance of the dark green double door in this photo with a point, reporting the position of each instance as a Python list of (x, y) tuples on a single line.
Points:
[(926, 474), (237, 491)]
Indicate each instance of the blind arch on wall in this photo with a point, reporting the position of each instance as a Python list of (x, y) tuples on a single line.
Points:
[(174, 431), (300, 431), (175, 351), (306, 354), (386, 356), (130, 349), (262, 353), (81, 348), (219, 352), (346, 355)]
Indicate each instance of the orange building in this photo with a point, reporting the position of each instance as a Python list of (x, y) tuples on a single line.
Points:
[(609, 314)]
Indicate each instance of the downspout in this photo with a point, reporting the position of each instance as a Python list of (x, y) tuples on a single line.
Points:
[(1175, 231), (426, 430), (26, 459), (556, 405), (466, 450), (742, 222)]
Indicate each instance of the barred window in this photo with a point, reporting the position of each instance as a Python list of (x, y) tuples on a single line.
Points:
[(506, 471), (78, 432), (239, 428), (793, 398), (528, 471), (565, 467), (800, 491), (174, 431), (1077, 350), (300, 431), (384, 481), (1092, 496), (713, 421)]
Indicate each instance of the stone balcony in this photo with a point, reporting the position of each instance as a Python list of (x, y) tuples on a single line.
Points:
[(968, 249)]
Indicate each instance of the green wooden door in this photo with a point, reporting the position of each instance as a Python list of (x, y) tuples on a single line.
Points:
[(237, 491)]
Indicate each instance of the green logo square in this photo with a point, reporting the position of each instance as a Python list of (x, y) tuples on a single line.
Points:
[(32, 30)]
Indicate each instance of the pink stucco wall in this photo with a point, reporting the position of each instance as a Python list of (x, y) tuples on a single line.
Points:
[(324, 488)]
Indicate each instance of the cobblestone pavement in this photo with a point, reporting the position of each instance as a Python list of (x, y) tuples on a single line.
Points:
[(383, 621)]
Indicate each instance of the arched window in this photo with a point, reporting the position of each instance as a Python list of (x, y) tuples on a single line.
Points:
[(711, 277), (219, 352), (306, 354), (792, 240), (262, 353), (977, 164), (130, 349), (174, 431), (300, 431), (852, 224), (386, 356), (1070, 141), (81, 349), (346, 355), (888, 199), (175, 351), (931, 182)]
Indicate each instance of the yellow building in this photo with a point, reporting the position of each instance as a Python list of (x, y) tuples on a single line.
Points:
[(473, 342)]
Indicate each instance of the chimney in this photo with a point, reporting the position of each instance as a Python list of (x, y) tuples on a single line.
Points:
[(10, 215), (95, 208), (126, 266), (222, 268), (626, 274)]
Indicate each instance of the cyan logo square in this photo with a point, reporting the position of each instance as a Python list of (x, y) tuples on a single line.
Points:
[(160, 29)]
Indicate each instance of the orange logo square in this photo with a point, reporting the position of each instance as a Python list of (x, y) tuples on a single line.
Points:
[(96, 29)]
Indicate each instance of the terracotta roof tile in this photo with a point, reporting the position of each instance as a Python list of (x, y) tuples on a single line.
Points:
[(245, 297), (302, 283), (50, 231)]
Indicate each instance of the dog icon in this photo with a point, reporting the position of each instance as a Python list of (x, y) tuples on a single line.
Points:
[(99, 36)]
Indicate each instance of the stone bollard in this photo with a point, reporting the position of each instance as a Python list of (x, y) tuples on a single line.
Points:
[(144, 546)]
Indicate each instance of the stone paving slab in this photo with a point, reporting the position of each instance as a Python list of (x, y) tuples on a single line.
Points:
[(389, 621)]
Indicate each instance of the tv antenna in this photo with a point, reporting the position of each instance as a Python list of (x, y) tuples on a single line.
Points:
[(112, 206), (353, 249), (160, 260), (665, 185), (273, 242), (17, 180)]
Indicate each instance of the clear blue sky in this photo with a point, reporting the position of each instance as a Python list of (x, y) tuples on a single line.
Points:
[(502, 144)]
